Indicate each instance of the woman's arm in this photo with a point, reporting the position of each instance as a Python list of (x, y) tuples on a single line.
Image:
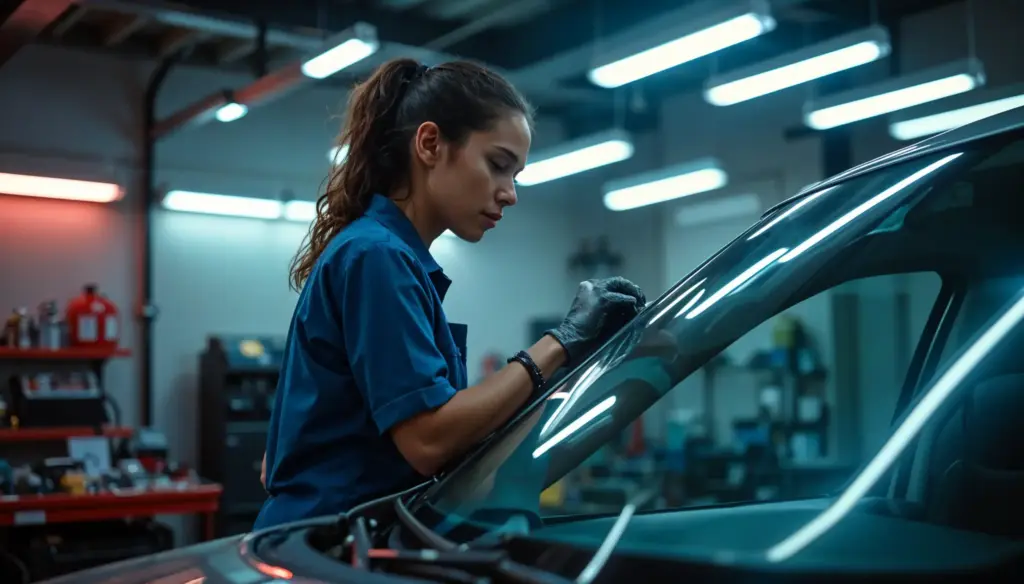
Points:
[(390, 339), (432, 439)]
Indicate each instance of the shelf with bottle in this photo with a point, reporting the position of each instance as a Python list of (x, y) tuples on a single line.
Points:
[(177, 499), (87, 329), (57, 433), (62, 354)]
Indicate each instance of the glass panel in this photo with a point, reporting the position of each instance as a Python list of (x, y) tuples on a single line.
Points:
[(753, 403)]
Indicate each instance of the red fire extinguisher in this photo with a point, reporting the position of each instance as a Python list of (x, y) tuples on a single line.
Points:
[(93, 320)]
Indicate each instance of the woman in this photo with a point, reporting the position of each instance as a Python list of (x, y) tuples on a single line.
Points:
[(373, 393)]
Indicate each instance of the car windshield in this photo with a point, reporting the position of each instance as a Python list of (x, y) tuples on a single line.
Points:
[(810, 366)]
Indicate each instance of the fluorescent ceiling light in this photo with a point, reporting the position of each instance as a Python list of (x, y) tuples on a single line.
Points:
[(23, 185), (300, 211), (750, 20), (345, 50), (230, 112), (338, 154), (578, 156), (806, 64), (894, 95), (945, 116), (746, 206), (228, 205), (665, 185)]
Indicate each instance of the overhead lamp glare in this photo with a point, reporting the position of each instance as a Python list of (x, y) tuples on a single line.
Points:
[(665, 185), (24, 185), (807, 64), (344, 50), (894, 95), (687, 42), (578, 156)]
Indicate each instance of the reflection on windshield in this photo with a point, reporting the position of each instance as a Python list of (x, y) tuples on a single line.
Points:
[(778, 262), (901, 438), (867, 206), (732, 285)]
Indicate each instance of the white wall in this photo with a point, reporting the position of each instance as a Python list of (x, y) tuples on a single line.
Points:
[(59, 120)]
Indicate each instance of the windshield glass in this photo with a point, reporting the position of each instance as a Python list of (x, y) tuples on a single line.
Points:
[(783, 371)]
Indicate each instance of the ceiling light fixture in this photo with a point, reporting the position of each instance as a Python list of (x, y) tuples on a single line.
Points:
[(300, 211), (895, 94), (344, 50), (230, 112), (688, 41), (807, 64), (225, 205), (948, 114), (675, 182), (23, 185), (230, 109), (338, 154), (578, 156)]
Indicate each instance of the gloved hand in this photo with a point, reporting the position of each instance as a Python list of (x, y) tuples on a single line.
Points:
[(600, 309)]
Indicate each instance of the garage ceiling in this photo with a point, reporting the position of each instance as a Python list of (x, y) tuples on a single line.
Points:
[(544, 45)]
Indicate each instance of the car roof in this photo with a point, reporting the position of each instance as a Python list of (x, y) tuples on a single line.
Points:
[(1002, 123)]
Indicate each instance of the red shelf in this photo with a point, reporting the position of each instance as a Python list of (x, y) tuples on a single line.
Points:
[(63, 508), (62, 433), (8, 353)]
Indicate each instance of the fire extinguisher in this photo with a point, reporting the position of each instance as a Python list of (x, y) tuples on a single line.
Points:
[(93, 320)]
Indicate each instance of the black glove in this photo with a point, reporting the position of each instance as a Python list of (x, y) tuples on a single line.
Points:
[(600, 309)]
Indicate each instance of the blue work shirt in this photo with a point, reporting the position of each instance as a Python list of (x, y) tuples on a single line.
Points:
[(369, 346)]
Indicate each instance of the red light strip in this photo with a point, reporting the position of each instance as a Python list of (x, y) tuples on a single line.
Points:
[(23, 185)]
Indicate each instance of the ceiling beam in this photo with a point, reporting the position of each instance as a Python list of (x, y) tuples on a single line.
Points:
[(26, 22), (573, 24), (301, 17)]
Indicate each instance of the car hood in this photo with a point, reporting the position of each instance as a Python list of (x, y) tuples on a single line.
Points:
[(215, 562)]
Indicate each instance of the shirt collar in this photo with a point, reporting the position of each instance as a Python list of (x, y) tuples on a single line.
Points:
[(387, 213)]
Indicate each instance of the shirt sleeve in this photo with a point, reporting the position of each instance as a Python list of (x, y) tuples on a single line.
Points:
[(387, 309)]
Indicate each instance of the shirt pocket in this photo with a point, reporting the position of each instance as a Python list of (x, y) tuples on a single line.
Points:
[(458, 333)]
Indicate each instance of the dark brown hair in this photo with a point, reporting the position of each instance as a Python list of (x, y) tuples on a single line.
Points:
[(382, 117)]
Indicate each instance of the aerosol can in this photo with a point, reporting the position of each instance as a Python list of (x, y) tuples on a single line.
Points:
[(51, 333)]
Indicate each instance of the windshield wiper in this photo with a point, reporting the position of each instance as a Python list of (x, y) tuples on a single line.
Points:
[(448, 554), (604, 551)]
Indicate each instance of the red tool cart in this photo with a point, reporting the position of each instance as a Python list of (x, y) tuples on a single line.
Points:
[(44, 483)]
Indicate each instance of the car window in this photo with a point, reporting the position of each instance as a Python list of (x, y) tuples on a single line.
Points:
[(786, 411), (775, 370)]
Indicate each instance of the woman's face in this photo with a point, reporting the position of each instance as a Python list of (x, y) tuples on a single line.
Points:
[(469, 185)]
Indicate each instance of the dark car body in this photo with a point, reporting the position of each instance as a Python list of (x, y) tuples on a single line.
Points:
[(715, 544)]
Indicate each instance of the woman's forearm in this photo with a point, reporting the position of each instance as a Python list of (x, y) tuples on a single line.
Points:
[(495, 399), (431, 440)]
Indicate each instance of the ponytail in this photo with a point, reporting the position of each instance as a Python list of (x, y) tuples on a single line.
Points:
[(381, 118), (350, 186)]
